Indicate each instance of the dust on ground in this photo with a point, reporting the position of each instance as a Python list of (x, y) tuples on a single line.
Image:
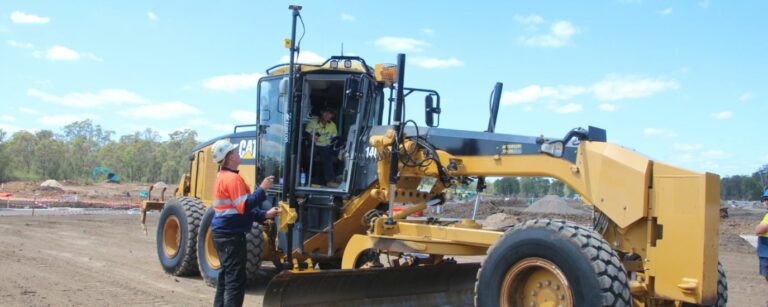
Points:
[(105, 259), (75, 191)]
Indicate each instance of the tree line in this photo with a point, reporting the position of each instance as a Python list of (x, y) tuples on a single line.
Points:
[(73, 153), (738, 187)]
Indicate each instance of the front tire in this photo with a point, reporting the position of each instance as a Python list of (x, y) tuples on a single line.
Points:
[(551, 261), (177, 235)]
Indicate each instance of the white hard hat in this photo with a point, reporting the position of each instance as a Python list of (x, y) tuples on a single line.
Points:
[(220, 150)]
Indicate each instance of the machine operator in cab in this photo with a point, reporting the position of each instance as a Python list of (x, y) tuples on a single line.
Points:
[(236, 208), (323, 130)]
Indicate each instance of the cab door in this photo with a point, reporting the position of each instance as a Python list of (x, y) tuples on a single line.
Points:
[(271, 108)]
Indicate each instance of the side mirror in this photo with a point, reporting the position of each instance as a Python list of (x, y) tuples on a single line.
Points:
[(430, 110), (553, 148), (352, 95)]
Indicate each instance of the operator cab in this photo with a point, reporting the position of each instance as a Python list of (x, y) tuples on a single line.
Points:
[(342, 86)]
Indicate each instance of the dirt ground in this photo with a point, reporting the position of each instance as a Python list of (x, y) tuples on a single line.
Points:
[(84, 191), (106, 260)]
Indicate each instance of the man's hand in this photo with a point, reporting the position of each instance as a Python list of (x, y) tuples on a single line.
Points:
[(272, 212), (267, 183)]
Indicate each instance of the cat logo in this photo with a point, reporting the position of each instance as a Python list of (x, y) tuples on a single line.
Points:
[(247, 149)]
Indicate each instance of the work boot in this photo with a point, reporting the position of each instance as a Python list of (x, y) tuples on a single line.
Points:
[(332, 184)]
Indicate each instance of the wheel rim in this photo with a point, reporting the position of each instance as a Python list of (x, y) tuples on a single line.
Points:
[(211, 256), (535, 282), (171, 236)]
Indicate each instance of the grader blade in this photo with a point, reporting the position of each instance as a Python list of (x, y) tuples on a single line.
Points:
[(436, 285)]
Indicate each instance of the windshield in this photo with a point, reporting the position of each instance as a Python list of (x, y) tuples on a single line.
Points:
[(271, 129)]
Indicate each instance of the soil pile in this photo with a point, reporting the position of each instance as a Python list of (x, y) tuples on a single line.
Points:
[(51, 185), (464, 209), (500, 221), (558, 205)]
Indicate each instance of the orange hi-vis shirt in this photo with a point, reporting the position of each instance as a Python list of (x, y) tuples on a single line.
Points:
[(235, 207)]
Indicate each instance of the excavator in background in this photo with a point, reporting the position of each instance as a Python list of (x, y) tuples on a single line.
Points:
[(653, 239), (109, 175)]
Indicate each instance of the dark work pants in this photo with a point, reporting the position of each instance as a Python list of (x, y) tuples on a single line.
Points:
[(230, 291), (326, 157)]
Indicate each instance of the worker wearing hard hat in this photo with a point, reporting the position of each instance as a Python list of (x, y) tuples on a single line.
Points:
[(324, 130), (235, 211), (762, 239)]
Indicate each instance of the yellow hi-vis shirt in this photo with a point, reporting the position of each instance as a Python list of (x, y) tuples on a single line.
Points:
[(326, 131), (765, 221)]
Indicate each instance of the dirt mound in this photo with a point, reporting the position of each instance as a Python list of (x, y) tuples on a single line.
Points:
[(500, 221), (557, 204), (464, 209), (51, 185)]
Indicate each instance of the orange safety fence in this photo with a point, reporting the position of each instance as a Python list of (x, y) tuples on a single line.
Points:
[(72, 202)]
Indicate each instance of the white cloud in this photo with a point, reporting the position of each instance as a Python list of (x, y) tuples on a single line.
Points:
[(532, 93), (430, 63), (529, 20), (658, 132), (722, 115), (715, 154), (305, 57), (16, 44), (233, 82), (611, 88), (427, 31), (152, 16), (746, 96), (61, 53), (24, 18), (8, 118), (59, 120), (204, 124), (26, 110), (695, 154), (567, 108), (164, 110), (666, 11), (348, 17), (92, 57), (617, 87), (243, 117), (607, 107), (9, 129), (686, 147), (560, 35), (90, 100), (400, 44)]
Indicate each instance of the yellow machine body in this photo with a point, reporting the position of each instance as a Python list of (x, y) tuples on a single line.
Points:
[(661, 221)]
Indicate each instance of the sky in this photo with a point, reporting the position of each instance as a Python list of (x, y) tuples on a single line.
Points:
[(683, 82)]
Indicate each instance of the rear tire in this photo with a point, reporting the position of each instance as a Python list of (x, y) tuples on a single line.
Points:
[(210, 265), (559, 260), (722, 289), (177, 235), (254, 249)]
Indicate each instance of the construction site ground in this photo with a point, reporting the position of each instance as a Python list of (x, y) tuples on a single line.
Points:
[(102, 257)]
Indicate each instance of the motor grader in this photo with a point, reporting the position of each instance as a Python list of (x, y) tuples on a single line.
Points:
[(653, 239)]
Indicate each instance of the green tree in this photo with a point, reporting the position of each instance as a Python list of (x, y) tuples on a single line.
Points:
[(506, 186), (22, 145), (4, 158)]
